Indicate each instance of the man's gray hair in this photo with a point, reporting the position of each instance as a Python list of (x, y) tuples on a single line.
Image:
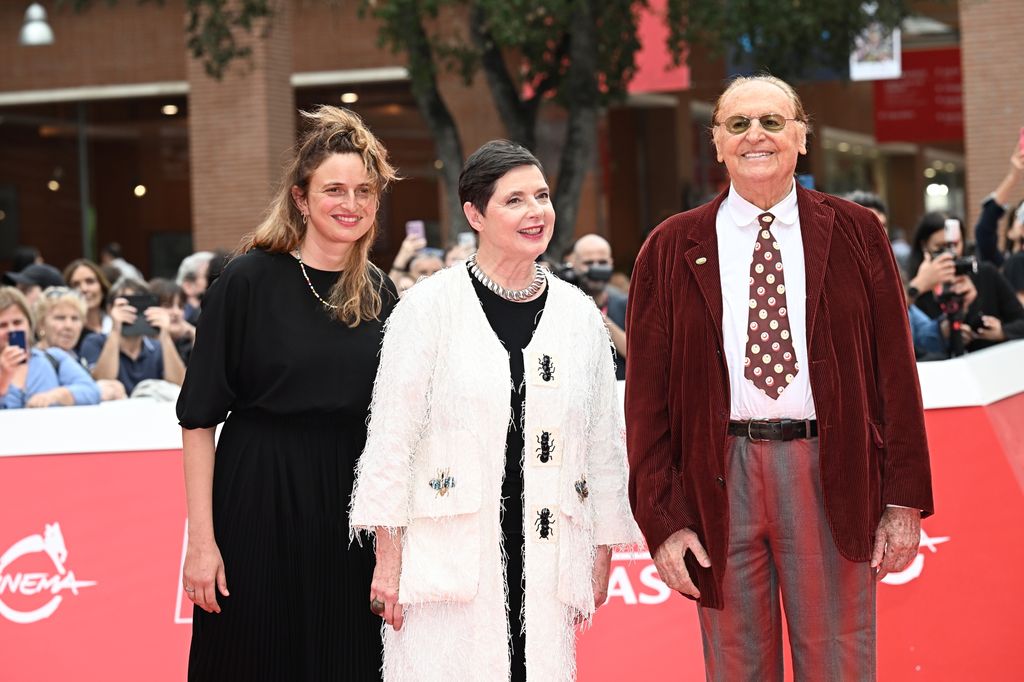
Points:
[(189, 268)]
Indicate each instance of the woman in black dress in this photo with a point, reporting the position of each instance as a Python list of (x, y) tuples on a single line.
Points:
[(288, 345)]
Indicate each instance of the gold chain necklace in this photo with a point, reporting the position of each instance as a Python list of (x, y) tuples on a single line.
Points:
[(298, 255)]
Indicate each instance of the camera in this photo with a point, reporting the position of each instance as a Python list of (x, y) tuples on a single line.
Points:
[(968, 265), (595, 274)]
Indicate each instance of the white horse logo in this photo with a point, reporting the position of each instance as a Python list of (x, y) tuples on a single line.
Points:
[(51, 542)]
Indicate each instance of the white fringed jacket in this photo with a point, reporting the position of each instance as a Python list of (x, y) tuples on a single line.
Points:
[(434, 462)]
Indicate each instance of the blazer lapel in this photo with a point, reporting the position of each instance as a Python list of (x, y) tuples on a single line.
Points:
[(816, 223), (702, 259)]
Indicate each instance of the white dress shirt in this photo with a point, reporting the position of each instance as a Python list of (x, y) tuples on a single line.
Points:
[(736, 226)]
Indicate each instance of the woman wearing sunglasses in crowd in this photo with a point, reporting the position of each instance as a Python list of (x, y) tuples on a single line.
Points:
[(60, 320), (31, 376)]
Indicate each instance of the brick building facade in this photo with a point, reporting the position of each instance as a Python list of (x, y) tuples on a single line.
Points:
[(106, 86)]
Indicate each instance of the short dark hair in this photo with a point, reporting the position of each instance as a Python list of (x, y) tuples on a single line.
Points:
[(487, 165), (867, 200), (126, 284), (167, 291), (23, 257), (113, 249)]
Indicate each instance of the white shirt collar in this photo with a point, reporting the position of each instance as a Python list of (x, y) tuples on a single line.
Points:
[(744, 213)]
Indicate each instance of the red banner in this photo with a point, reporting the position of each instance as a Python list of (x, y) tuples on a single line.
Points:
[(926, 103), (91, 549)]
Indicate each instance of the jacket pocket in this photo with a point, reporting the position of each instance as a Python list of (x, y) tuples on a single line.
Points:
[(441, 550), (575, 546)]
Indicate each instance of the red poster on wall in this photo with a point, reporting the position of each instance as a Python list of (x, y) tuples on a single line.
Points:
[(926, 103), (655, 71)]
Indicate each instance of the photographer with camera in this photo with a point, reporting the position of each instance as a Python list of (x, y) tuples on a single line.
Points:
[(973, 297), (590, 266)]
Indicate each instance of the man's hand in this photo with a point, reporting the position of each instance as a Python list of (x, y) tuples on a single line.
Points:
[(121, 313), (896, 540), (669, 560), (158, 317)]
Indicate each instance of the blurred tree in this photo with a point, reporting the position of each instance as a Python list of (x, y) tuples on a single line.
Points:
[(789, 38), (574, 54)]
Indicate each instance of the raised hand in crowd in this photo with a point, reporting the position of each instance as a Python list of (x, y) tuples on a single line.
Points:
[(410, 245), (934, 271), (12, 358)]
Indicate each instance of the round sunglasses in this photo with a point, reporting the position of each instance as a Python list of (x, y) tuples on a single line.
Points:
[(771, 123)]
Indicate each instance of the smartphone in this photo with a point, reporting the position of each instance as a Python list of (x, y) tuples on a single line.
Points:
[(415, 227), (467, 239), (141, 327), (17, 338), (952, 230)]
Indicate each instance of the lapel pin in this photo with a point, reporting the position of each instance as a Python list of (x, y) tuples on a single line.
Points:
[(701, 261)]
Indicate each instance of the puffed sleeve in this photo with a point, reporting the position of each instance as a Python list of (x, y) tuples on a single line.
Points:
[(75, 378), (608, 471), (398, 411), (211, 380)]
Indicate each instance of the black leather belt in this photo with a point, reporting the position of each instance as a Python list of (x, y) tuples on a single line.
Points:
[(779, 429)]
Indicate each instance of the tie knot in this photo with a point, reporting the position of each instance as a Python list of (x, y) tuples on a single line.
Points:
[(766, 218)]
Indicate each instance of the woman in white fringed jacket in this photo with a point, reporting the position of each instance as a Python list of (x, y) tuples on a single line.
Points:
[(494, 474)]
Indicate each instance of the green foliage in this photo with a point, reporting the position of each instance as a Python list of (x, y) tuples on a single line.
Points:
[(533, 37), (789, 38)]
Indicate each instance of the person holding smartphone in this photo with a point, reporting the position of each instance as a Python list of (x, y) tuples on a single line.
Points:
[(995, 245), (139, 345), (415, 239), (32, 377)]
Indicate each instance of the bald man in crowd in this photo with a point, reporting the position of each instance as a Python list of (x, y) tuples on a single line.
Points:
[(591, 259)]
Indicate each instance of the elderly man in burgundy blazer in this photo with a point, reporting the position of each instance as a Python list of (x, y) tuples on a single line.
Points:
[(774, 420)]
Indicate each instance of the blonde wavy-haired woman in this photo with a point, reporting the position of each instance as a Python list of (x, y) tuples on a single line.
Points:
[(288, 344)]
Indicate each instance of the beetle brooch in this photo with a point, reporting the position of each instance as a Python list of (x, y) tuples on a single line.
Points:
[(443, 483), (547, 367), (545, 524), (545, 447), (582, 490)]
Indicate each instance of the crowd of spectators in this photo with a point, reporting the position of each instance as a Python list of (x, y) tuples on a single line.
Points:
[(99, 331), (96, 331), (962, 299)]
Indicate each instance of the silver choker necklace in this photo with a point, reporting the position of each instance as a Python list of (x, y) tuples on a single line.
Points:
[(516, 295)]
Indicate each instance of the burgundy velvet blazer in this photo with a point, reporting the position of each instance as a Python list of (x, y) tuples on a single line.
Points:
[(862, 372)]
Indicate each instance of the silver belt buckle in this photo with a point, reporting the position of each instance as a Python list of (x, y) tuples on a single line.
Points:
[(750, 437)]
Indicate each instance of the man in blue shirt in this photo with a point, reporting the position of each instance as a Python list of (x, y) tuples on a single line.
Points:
[(132, 359)]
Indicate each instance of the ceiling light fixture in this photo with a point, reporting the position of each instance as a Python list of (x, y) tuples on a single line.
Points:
[(36, 30)]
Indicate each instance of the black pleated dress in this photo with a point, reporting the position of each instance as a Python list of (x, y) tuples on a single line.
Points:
[(297, 384), (514, 324)]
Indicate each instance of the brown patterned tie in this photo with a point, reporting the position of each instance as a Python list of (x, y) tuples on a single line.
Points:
[(770, 363)]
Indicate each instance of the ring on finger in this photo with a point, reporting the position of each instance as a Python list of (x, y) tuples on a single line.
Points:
[(190, 590), (377, 606)]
